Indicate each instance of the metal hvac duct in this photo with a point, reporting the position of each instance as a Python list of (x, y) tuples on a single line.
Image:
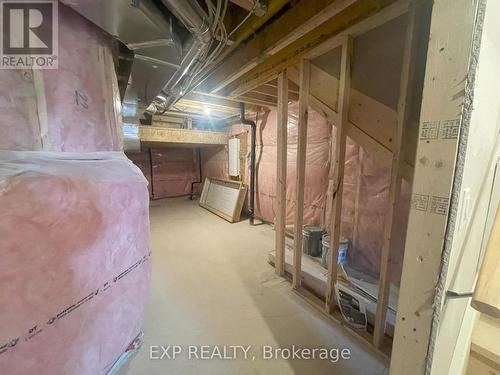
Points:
[(163, 65), (196, 21)]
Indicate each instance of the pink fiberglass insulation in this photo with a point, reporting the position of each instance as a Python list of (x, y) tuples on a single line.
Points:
[(74, 243), (142, 161), (366, 187), (73, 108), (214, 163), (74, 226), (174, 170), (317, 166)]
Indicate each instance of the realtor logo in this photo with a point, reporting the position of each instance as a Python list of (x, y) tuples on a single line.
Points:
[(29, 34)]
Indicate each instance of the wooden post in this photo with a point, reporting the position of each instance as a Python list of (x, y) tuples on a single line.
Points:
[(338, 180), (282, 128), (405, 98), (446, 82), (301, 170)]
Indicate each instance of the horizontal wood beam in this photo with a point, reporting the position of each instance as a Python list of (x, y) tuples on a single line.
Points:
[(153, 134), (354, 20), (219, 101), (301, 18), (251, 105), (292, 87), (269, 90), (262, 98)]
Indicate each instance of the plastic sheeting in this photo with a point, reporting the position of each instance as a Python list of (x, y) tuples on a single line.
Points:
[(366, 187), (74, 227), (214, 163), (73, 108), (317, 166), (175, 169), (74, 239)]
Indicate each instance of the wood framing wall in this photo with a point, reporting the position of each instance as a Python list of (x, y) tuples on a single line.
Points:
[(340, 112), (432, 215)]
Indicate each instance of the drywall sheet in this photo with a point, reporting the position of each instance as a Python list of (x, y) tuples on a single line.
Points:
[(74, 108), (75, 269)]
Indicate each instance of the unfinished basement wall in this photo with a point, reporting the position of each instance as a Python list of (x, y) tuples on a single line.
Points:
[(74, 227), (366, 187), (171, 171)]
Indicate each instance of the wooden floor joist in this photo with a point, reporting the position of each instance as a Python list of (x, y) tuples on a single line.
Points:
[(356, 19), (300, 170), (299, 19), (282, 128), (338, 180)]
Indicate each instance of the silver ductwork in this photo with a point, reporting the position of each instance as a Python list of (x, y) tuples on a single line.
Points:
[(196, 21), (141, 26), (163, 66), (164, 57)]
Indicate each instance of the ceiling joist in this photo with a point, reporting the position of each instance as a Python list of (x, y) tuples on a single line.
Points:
[(301, 18), (354, 20)]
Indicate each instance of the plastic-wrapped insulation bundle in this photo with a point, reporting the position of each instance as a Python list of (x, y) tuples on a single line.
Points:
[(74, 228)]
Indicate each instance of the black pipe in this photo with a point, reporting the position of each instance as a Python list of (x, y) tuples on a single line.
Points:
[(199, 178), (252, 160), (151, 173)]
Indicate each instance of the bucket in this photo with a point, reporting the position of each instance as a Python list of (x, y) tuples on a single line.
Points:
[(311, 240), (325, 249)]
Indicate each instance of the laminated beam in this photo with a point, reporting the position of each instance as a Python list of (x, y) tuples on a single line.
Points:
[(282, 128), (338, 179), (301, 171), (156, 135)]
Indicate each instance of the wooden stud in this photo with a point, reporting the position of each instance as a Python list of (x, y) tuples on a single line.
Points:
[(300, 171), (363, 15), (301, 18), (282, 128), (405, 97), (338, 181), (447, 72)]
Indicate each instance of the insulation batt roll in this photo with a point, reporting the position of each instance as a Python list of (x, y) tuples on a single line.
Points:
[(74, 226), (75, 269)]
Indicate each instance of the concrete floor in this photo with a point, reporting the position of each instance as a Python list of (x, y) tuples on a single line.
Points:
[(212, 285)]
